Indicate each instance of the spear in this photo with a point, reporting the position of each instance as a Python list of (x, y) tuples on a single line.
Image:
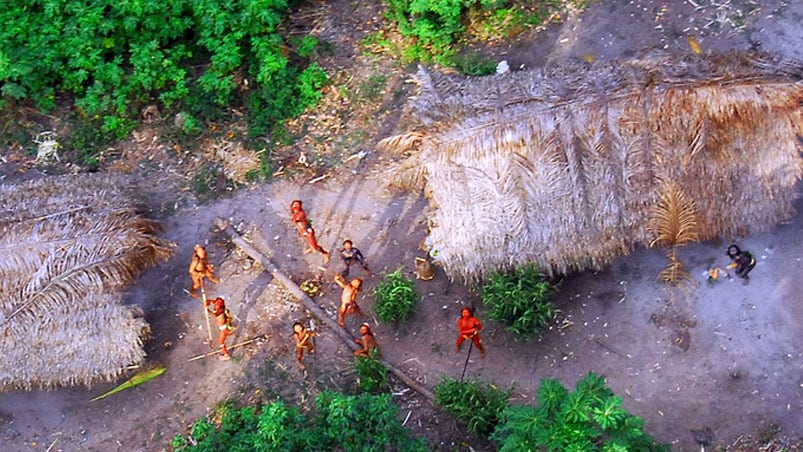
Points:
[(240, 344), (470, 346), (206, 314)]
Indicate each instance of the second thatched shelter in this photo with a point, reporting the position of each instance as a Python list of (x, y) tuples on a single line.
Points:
[(70, 245), (571, 167)]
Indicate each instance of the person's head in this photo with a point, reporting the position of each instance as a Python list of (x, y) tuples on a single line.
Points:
[(219, 301), (200, 251), (466, 312), (347, 244), (356, 283), (295, 205), (365, 329), (733, 251), (298, 327)]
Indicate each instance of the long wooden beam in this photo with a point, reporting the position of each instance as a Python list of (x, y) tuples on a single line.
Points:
[(312, 306)]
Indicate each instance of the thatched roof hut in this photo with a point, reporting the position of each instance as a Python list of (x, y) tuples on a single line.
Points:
[(69, 245), (571, 167)]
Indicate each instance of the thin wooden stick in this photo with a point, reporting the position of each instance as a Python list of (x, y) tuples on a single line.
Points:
[(206, 314), (240, 344)]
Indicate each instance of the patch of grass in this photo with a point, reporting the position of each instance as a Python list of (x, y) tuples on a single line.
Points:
[(473, 63), (86, 141), (395, 297), (371, 89), (209, 183)]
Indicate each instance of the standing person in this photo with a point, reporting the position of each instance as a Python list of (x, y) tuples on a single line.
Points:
[(469, 327), (348, 299), (743, 262), (350, 255), (305, 230), (217, 308), (367, 341), (303, 338), (200, 268)]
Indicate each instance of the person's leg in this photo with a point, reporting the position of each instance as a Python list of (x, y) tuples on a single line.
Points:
[(460, 340), (299, 355), (748, 268), (196, 284), (224, 332), (479, 346)]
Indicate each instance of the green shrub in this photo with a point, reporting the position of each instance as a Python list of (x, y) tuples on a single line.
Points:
[(434, 27), (589, 419), (521, 300), (395, 298), (348, 423), (473, 63), (478, 404), (114, 58), (372, 374)]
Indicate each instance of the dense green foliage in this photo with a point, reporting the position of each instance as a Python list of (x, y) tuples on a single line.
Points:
[(521, 300), (341, 422), (436, 28), (395, 297), (589, 419), (372, 374), (477, 404), (189, 56)]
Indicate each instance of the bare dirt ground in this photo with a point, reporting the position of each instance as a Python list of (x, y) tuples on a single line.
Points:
[(725, 357)]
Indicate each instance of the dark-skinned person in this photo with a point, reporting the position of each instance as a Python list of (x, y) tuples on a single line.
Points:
[(743, 262), (351, 255)]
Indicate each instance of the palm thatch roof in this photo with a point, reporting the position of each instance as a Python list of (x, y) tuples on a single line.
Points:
[(69, 246), (572, 166)]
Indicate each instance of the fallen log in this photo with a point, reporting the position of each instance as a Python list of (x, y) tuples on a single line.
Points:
[(312, 306)]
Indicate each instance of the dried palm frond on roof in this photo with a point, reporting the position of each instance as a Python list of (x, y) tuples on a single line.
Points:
[(673, 223), (70, 245), (562, 167)]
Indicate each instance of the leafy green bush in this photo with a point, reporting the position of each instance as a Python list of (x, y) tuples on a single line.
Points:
[(372, 374), (473, 63), (589, 419), (434, 26), (114, 57), (435, 29), (477, 404), (521, 300), (348, 423), (395, 298)]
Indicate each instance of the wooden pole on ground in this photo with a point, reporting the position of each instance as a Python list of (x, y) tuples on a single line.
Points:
[(312, 306)]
